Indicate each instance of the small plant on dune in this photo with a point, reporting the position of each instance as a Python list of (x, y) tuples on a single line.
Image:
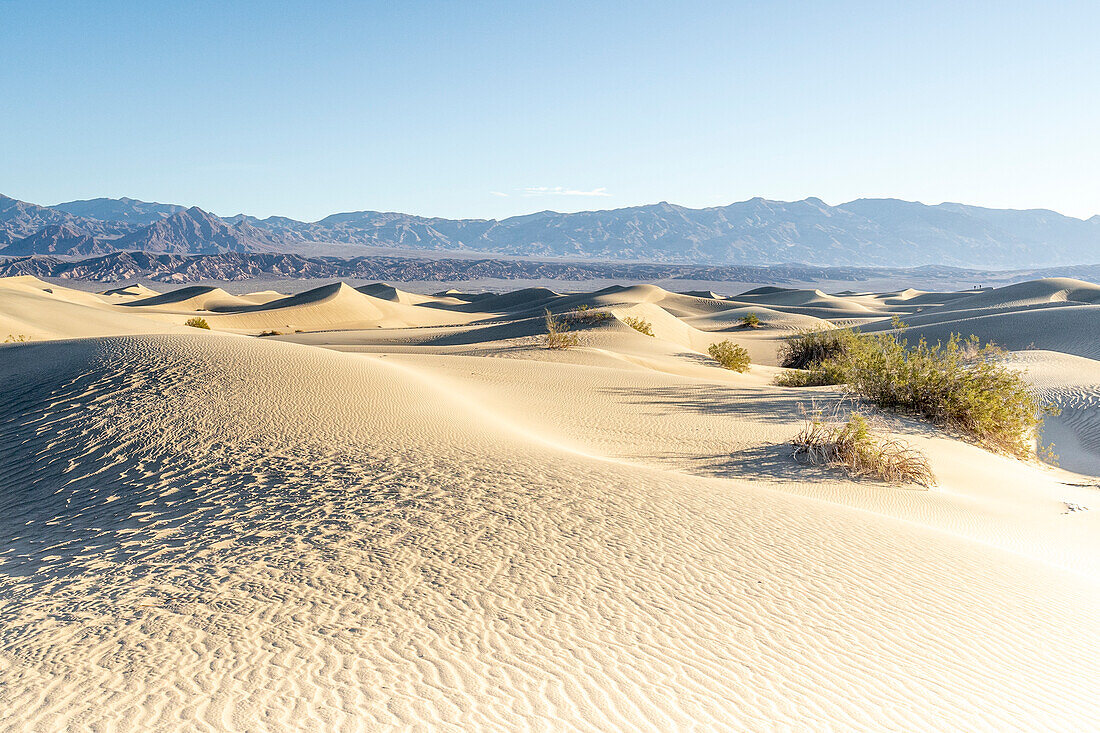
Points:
[(640, 325), (197, 323), (585, 316), (557, 336), (16, 339), (730, 356), (271, 333), (961, 385), (750, 321), (855, 447)]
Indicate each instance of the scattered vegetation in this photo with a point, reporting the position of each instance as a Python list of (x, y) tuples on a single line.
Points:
[(962, 385), (855, 447), (557, 335), (640, 325), (16, 339), (750, 321), (197, 322), (271, 333), (730, 356), (584, 315)]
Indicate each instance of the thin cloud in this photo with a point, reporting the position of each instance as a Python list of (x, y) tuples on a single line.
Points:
[(499, 193), (561, 191)]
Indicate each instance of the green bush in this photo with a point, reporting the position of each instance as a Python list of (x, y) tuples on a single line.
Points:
[(556, 333), (750, 321), (197, 323), (584, 316), (960, 385), (810, 348), (640, 325), (730, 356), (855, 447)]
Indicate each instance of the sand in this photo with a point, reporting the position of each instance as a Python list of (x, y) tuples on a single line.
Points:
[(410, 515)]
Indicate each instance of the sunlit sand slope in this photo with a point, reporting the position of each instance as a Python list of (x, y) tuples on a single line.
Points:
[(211, 532)]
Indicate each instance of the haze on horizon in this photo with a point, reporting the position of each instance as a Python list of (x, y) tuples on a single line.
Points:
[(497, 110)]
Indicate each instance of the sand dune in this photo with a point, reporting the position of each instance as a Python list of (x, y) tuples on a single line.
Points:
[(803, 299), (377, 551), (193, 298), (331, 306), (29, 285), (262, 297), (1073, 384), (1033, 292), (389, 292), (770, 319), (33, 310), (414, 516), (335, 306), (1071, 329), (131, 292)]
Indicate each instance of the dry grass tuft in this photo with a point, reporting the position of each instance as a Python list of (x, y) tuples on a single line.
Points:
[(640, 325), (584, 315), (855, 447), (557, 336), (197, 323)]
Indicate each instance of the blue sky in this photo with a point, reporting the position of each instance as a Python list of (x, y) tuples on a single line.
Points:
[(490, 109)]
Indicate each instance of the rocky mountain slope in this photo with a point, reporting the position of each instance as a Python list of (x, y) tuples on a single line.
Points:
[(126, 210), (235, 266), (869, 232), (65, 239), (194, 231)]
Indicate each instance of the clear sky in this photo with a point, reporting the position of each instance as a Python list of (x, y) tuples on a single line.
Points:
[(488, 109)]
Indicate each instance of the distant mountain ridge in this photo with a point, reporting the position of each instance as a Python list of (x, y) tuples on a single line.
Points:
[(236, 266), (194, 231), (132, 211), (870, 232)]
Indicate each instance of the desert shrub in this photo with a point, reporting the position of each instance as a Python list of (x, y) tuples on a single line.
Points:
[(829, 372), (557, 336), (855, 447), (585, 316), (197, 323), (15, 339), (730, 356), (640, 325), (809, 348), (271, 333), (750, 321), (962, 385)]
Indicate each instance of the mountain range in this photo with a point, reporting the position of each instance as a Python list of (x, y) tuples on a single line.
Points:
[(237, 266), (869, 232)]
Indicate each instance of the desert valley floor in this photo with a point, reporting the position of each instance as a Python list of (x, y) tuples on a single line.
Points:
[(404, 512)]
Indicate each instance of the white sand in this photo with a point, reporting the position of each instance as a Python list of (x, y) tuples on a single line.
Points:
[(449, 527)]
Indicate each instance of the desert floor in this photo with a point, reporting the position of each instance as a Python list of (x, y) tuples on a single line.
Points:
[(404, 512)]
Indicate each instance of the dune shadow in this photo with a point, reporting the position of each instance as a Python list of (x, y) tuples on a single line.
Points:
[(766, 462), (705, 399)]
